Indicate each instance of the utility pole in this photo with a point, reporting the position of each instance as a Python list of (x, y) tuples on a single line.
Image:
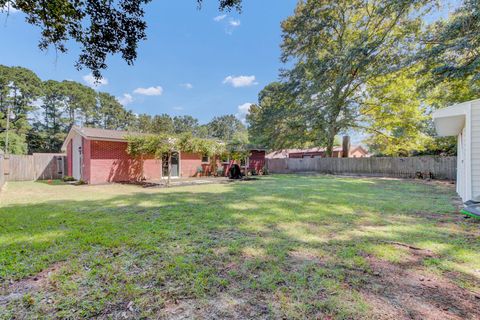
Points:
[(7, 126)]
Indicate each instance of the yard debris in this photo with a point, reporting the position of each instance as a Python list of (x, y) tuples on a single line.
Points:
[(428, 252)]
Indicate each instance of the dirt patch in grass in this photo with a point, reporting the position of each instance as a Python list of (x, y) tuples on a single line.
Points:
[(18, 289), (224, 306), (406, 291)]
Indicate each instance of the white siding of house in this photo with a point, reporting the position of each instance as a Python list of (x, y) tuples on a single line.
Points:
[(461, 184), (76, 157), (475, 148)]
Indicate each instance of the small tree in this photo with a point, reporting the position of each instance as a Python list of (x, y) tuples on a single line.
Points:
[(160, 144), (156, 145), (210, 147), (239, 149)]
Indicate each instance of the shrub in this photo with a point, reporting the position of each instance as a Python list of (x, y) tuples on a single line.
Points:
[(265, 171), (220, 172), (199, 170), (68, 178)]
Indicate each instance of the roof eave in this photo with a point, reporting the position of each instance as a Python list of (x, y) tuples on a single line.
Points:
[(450, 121)]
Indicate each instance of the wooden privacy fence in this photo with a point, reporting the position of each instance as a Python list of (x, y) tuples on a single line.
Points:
[(2, 166), (409, 167), (39, 166)]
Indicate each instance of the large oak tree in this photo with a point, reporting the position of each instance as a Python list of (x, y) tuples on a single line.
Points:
[(336, 47)]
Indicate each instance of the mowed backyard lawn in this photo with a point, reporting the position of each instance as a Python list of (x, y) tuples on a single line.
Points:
[(288, 246)]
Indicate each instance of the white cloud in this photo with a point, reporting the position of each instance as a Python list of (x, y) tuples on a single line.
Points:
[(151, 91), (187, 85), (243, 110), (7, 8), (234, 23), (125, 99), (178, 108), (240, 81), (219, 18), (230, 24), (94, 83)]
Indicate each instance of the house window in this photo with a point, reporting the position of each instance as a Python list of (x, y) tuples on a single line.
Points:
[(225, 159), (205, 159), (244, 162)]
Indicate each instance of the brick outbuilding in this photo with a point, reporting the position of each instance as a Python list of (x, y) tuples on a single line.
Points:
[(100, 156)]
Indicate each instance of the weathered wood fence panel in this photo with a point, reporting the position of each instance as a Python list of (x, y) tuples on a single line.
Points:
[(49, 165), (2, 170), (39, 166), (408, 167), (20, 168)]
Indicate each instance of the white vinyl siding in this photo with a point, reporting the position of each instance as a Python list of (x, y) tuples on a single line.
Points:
[(77, 156), (475, 148)]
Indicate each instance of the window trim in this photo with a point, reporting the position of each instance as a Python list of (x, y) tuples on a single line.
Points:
[(208, 159)]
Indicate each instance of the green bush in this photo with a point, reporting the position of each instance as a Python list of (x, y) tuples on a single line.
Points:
[(68, 178)]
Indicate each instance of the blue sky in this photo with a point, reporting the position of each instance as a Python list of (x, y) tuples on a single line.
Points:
[(198, 62)]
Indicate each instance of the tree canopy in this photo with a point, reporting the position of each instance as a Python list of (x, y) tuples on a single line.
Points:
[(452, 46), (277, 121), (336, 47), (394, 116), (373, 67), (225, 127)]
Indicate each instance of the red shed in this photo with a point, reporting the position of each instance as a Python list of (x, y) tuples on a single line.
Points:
[(100, 156)]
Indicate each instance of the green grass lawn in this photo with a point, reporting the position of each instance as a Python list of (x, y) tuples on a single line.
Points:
[(281, 247)]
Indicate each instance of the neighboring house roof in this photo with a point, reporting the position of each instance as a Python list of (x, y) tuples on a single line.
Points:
[(281, 154), (284, 153), (361, 149), (98, 134)]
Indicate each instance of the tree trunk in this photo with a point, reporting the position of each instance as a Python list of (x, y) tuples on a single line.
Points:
[(246, 168), (169, 168), (213, 165), (330, 142), (346, 147)]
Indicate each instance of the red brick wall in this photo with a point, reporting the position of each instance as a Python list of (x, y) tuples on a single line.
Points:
[(256, 160), (69, 159), (189, 163), (110, 162), (86, 150)]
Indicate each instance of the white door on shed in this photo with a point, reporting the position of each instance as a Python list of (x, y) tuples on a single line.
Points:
[(77, 157)]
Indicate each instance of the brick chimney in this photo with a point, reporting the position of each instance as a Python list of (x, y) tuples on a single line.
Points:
[(346, 147)]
